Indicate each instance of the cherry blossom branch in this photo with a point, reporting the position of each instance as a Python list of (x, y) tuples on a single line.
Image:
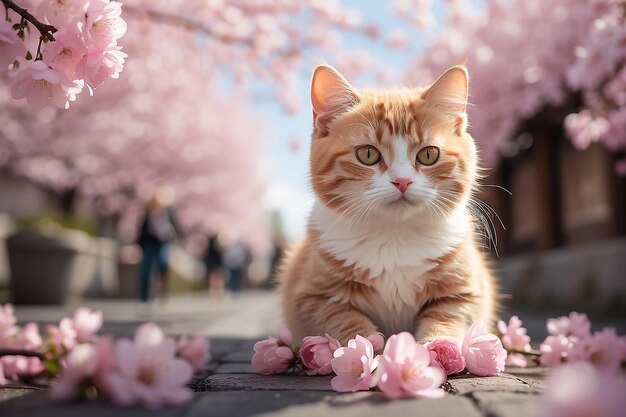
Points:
[(45, 30), (21, 352), (195, 25), (184, 22)]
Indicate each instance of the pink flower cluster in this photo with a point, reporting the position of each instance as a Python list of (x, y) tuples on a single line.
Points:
[(60, 340), (586, 377), (84, 51), (575, 49), (13, 337), (150, 370), (514, 338), (404, 367), (571, 340)]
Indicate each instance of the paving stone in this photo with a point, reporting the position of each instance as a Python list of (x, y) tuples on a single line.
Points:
[(252, 382), (38, 404), (501, 382), (220, 347), (535, 377), (230, 388), (7, 393), (318, 403), (508, 404), (238, 357), (234, 368)]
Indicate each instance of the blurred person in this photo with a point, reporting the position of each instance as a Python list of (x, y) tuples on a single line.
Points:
[(216, 279), (235, 259), (158, 229)]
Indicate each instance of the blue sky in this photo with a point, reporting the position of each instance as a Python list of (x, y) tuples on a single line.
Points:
[(287, 171)]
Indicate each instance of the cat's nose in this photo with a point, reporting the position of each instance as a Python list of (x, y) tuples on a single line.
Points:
[(402, 183)]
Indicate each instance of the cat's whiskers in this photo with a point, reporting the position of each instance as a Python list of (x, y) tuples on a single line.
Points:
[(484, 214), (352, 205), (437, 209)]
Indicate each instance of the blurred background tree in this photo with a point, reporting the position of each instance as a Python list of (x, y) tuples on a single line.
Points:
[(180, 116)]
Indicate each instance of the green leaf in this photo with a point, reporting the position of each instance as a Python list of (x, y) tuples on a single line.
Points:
[(29, 56), (51, 366)]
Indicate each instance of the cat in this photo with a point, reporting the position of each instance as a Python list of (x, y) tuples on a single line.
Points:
[(391, 244)]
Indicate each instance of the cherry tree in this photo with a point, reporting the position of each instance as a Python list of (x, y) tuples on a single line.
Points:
[(525, 56), (180, 114)]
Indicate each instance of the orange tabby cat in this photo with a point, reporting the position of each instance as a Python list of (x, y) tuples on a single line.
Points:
[(391, 245)]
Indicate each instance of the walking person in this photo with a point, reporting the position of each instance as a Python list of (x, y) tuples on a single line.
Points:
[(235, 259), (216, 279), (158, 230)]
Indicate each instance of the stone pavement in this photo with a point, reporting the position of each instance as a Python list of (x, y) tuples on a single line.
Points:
[(229, 387)]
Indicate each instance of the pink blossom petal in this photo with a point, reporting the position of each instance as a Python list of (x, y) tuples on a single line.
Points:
[(179, 372), (148, 335), (127, 357), (285, 335)]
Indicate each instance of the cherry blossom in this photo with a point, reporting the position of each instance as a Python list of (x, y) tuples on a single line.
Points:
[(195, 350), (21, 338), (274, 356), (103, 23), (86, 323), (60, 12), (65, 52), (601, 349), (580, 389), (81, 363), (446, 354), (483, 352), (147, 371), (405, 370), (63, 336), (575, 324), (41, 86), (353, 365), (81, 28), (378, 341), (98, 65), (24, 338), (514, 337), (7, 322), (555, 350), (317, 352)]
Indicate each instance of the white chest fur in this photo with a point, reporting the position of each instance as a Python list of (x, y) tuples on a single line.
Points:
[(396, 255)]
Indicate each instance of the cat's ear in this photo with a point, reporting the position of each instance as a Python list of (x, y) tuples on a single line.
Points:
[(450, 90), (449, 93), (331, 95)]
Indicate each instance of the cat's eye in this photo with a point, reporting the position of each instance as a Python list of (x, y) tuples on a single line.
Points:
[(428, 155), (368, 154)]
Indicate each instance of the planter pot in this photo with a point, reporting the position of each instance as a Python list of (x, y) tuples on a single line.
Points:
[(48, 269)]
